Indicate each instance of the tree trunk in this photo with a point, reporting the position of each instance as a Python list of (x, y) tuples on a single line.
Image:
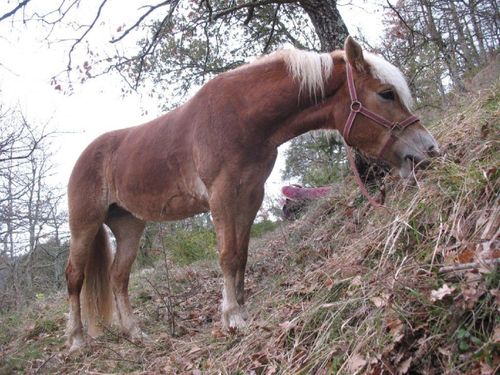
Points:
[(328, 23), (477, 30), (459, 30), (436, 37)]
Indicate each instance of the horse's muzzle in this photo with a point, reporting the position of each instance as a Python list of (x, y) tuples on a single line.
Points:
[(433, 152), (422, 161), (418, 163)]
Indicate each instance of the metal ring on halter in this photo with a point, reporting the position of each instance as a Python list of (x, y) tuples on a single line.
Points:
[(356, 106), (397, 126)]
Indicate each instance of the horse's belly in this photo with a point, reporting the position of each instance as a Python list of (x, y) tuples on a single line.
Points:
[(180, 201)]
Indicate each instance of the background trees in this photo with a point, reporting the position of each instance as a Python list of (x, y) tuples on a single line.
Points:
[(177, 45), (168, 48), (440, 44), (315, 159), (30, 212)]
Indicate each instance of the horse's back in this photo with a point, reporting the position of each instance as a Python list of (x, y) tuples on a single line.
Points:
[(87, 184), (147, 170)]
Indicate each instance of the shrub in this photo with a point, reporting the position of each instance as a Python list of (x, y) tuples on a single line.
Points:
[(264, 226), (188, 246)]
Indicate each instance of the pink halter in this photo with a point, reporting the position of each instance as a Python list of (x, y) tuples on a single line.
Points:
[(357, 107)]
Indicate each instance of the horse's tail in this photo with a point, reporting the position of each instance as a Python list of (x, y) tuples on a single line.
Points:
[(97, 297)]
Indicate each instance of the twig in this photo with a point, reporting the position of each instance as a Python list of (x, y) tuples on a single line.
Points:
[(119, 356), (468, 266), (107, 329), (235, 8), (150, 48), (408, 27), (45, 362), (82, 37), (169, 303), (13, 11), (273, 28), (151, 9)]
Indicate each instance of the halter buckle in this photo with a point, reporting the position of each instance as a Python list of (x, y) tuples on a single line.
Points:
[(397, 126), (356, 106)]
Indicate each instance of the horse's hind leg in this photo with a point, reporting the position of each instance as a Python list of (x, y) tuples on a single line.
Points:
[(82, 240), (127, 230)]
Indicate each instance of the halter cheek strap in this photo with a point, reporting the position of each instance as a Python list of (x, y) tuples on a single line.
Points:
[(357, 107)]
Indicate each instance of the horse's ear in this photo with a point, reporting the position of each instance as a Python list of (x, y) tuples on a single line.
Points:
[(354, 54)]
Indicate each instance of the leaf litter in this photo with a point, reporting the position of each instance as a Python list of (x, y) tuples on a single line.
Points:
[(323, 299)]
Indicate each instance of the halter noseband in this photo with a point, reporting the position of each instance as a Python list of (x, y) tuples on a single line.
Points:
[(357, 107)]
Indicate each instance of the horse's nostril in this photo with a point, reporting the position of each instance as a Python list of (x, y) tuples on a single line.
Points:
[(410, 158), (413, 159), (432, 151)]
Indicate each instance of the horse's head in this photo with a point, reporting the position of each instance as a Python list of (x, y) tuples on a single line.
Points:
[(377, 118)]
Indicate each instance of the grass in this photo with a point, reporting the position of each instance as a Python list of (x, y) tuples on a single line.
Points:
[(344, 290), (399, 253)]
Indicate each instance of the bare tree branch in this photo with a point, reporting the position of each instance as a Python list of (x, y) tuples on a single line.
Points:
[(11, 139), (273, 26), (150, 48), (19, 6), (89, 28), (254, 4), (401, 18), (140, 19)]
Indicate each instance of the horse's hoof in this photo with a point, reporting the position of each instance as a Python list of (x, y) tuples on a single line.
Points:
[(234, 319), (77, 344), (237, 321)]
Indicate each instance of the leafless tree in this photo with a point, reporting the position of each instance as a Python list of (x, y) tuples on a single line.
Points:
[(185, 43), (440, 43), (28, 205)]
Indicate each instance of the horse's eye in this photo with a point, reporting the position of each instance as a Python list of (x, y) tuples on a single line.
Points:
[(387, 94)]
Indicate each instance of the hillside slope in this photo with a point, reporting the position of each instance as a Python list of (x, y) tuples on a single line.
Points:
[(347, 289)]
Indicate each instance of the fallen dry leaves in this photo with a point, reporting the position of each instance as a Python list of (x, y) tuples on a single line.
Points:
[(439, 294), (355, 363), (472, 289)]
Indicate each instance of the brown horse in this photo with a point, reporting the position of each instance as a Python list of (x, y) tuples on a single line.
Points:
[(214, 153)]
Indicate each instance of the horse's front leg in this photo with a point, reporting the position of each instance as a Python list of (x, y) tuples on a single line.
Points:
[(233, 210)]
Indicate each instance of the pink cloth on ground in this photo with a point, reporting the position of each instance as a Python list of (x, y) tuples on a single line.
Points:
[(301, 193)]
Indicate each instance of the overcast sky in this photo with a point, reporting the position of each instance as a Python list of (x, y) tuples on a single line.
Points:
[(27, 64)]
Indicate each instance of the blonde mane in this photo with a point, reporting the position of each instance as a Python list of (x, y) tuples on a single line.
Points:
[(389, 74), (309, 69), (312, 69)]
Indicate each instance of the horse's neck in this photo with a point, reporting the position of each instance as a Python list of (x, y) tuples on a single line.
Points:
[(320, 114)]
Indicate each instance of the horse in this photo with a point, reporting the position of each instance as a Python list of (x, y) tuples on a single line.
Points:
[(214, 153)]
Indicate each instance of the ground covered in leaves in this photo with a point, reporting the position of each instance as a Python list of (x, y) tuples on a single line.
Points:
[(346, 289)]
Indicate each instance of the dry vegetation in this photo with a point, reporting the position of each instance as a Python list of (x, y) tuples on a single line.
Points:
[(347, 289)]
